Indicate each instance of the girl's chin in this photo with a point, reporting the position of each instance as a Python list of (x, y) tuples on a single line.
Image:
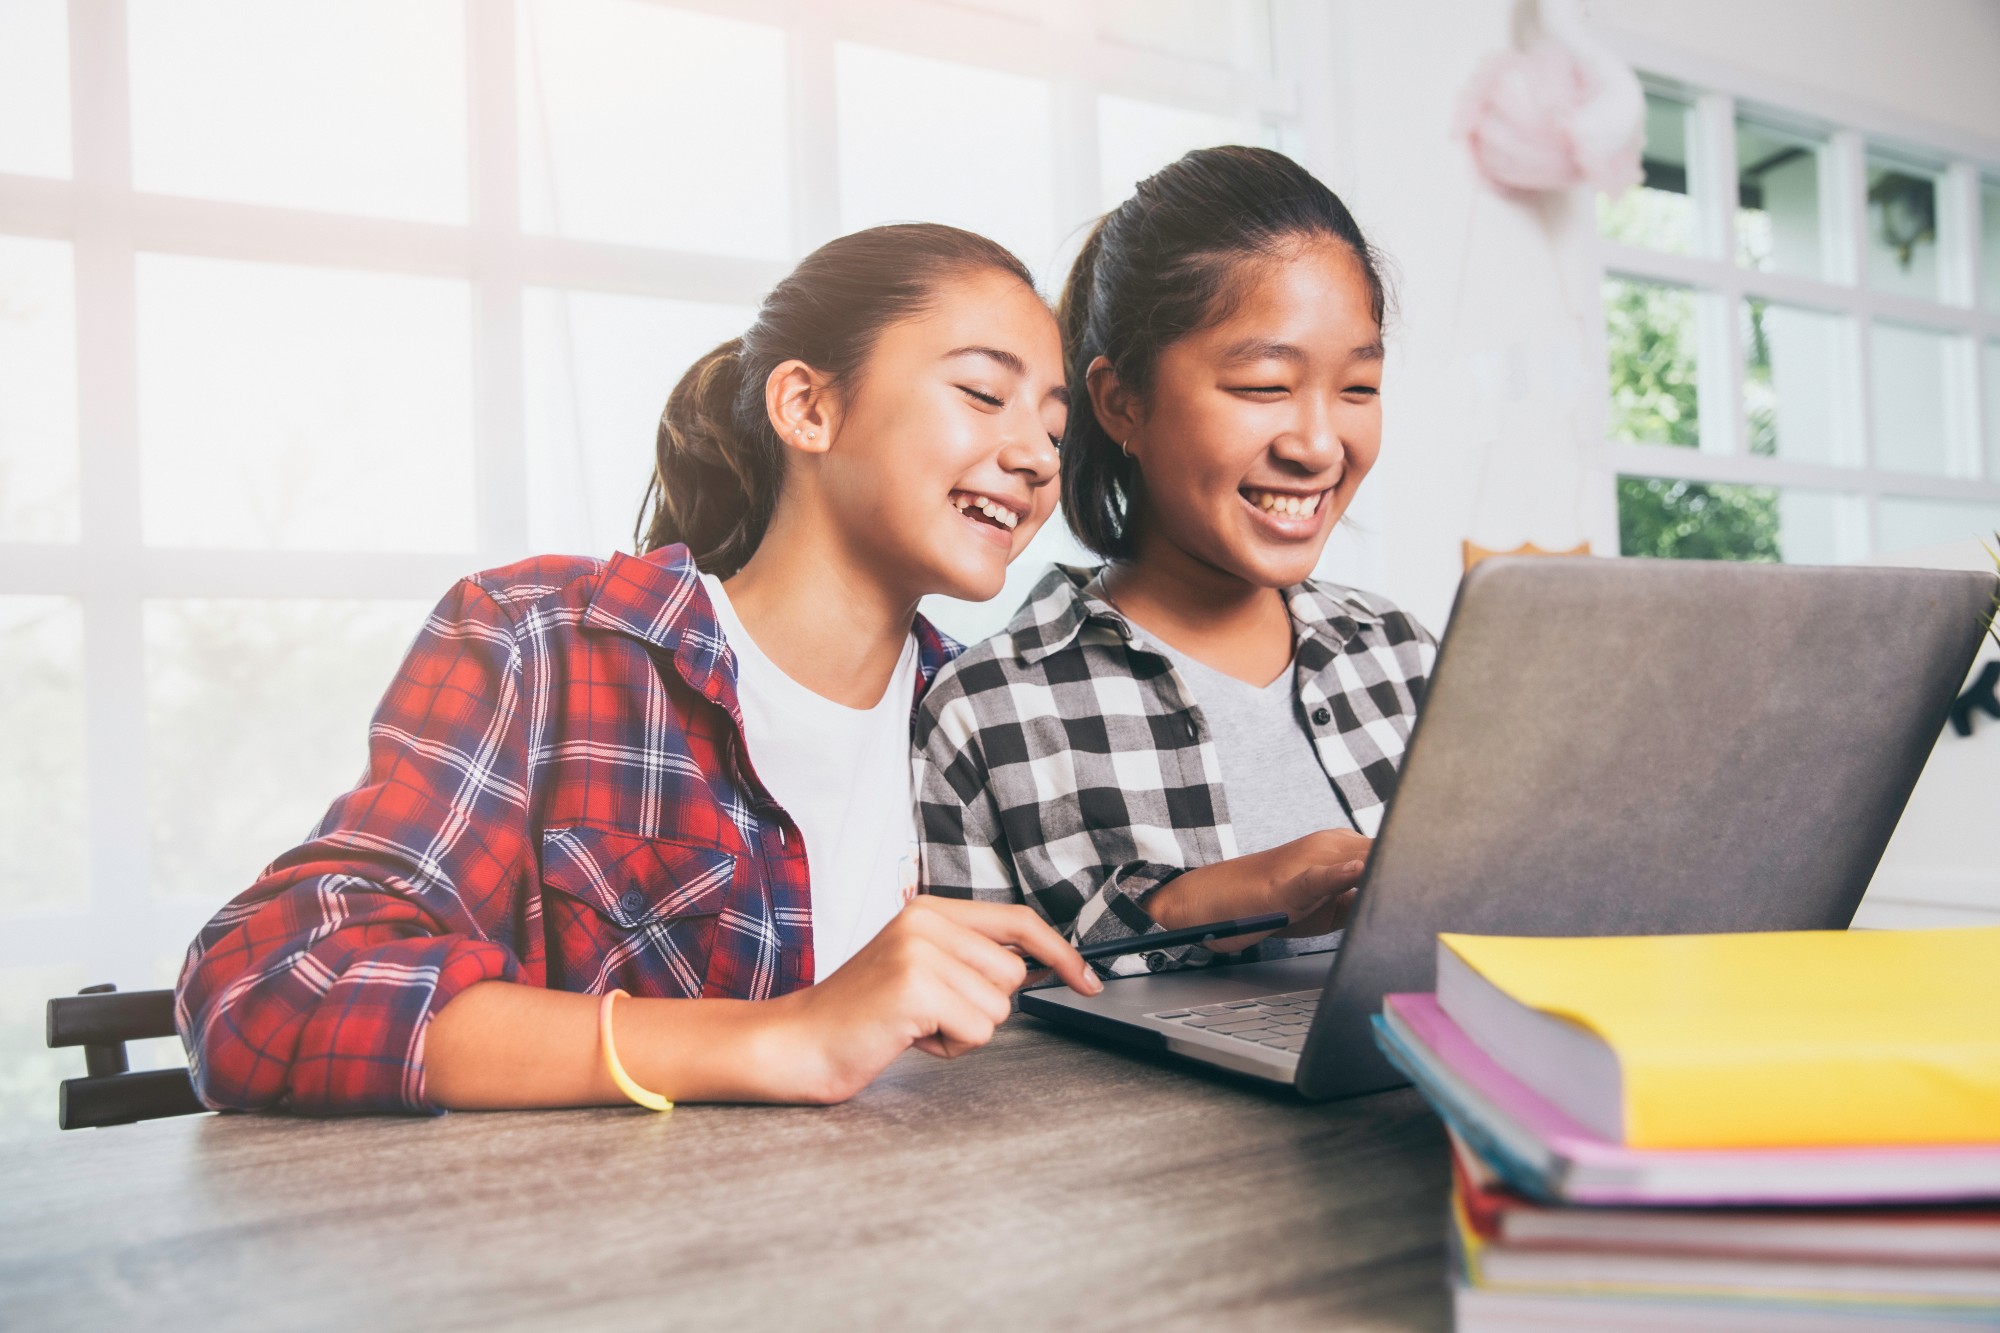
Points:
[(963, 579), (1265, 567), (1280, 560), (975, 590)]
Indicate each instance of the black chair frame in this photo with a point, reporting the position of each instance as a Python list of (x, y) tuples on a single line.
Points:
[(101, 1019)]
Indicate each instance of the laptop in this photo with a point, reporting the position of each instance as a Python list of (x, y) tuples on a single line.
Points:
[(1607, 747)]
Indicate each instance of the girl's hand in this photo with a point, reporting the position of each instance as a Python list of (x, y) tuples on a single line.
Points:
[(937, 977), (1318, 893)]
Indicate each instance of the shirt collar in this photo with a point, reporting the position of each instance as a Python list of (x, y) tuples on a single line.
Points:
[(1328, 614), (1070, 598), (658, 598)]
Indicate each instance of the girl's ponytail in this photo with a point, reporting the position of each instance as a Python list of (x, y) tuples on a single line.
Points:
[(1097, 476), (714, 482), (719, 466)]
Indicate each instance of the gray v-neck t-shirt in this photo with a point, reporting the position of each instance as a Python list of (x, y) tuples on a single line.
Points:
[(1271, 776)]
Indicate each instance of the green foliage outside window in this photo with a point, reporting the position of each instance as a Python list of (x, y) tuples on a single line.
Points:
[(1656, 219), (1694, 520), (1649, 335), (1649, 331), (1760, 397)]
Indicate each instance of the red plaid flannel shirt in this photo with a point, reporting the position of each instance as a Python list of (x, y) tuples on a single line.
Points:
[(558, 794)]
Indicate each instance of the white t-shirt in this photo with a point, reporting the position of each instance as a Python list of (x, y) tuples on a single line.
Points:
[(843, 775)]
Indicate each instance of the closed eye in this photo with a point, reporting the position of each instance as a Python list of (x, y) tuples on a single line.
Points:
[(1257, 388), (1367, 390), (985, 398)]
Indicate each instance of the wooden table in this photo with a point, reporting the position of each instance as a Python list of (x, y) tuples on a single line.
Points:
[(1040, 1183)]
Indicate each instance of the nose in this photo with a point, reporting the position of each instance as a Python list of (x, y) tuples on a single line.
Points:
[(1027, 453), (1311, 443)]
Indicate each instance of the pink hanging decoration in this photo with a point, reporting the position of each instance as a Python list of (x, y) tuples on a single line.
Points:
[(1563, 112)]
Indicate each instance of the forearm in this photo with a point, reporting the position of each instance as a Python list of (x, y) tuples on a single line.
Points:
[(1240, 886), (1310, 878), (937, 976), (500, 1045), (265, 1027)]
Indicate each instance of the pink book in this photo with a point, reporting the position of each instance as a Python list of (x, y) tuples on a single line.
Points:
[(1540, 1151)]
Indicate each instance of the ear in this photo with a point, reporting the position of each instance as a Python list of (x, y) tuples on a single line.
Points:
[(1118, 408), (801, 409)]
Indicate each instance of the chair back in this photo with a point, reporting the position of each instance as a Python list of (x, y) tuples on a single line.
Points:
[(101, 1019), (1473, 552)]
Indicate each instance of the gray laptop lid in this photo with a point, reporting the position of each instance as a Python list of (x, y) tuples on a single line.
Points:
[(1648, 747)]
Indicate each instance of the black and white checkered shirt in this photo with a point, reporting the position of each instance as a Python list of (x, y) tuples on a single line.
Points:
[(1064, 763)]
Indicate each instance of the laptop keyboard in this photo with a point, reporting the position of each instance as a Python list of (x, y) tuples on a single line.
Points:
[(1280, 1021)]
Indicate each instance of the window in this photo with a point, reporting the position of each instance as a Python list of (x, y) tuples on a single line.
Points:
[(306, 311), (1989, 244), (1661, 211), (295, 408), (1803, 337), (652, 126), (352, 108), (1779, 177), (34, 87), (38, 459), (1000, 183)]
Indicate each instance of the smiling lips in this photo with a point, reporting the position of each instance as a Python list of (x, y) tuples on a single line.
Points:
[(984, 508), (1278, 504), (1283, 504)]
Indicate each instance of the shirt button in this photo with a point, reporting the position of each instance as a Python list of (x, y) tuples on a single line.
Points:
[(1156, 962), (630, 901), (1194, 732), (1322, 716)]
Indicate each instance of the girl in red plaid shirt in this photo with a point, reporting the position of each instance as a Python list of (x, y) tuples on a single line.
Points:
[(564, 793)]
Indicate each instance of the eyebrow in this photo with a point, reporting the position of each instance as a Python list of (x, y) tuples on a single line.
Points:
[(1000, 354), (1262, 349), (1265, 349), (1012, 362)]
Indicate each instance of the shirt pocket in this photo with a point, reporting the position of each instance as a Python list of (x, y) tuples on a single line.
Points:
[(627, 910)]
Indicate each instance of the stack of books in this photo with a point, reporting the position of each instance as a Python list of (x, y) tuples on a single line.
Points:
[(1783, 1131)]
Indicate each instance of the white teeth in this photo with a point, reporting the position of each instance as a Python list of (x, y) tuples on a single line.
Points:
[(999, 513), (1286, 506)]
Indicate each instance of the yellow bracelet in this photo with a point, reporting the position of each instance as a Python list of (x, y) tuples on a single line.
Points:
[(652, 1101)]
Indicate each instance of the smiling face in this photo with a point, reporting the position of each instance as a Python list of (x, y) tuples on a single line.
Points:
[(1260, 427), (942, 448)]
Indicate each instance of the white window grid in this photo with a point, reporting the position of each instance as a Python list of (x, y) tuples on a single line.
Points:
[(119, 927), (1717, 94)]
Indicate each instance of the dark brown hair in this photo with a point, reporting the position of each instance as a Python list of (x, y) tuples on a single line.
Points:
[(1159, 267), (719, 464)]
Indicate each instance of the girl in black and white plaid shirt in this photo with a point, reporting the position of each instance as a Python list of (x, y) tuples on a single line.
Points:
[(1195, 730)]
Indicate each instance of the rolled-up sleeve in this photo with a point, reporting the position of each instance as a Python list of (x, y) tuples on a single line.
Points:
[(313, 989)]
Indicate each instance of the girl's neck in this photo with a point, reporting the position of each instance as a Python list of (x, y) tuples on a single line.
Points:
[(820, 614), (1239, 628)]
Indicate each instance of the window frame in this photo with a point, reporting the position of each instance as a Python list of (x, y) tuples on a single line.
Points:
[(1718, 93), (111, 573)]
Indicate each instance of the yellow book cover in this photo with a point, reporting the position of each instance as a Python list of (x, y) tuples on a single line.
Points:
[(1793, 1038)]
